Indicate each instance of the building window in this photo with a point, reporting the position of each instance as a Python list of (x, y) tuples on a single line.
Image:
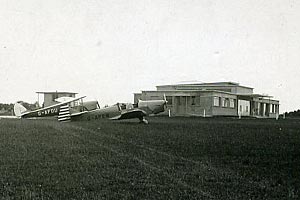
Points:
[(225, 102), (231, 103), (216, 101), (193, 100), (247, 109), (179, 100)]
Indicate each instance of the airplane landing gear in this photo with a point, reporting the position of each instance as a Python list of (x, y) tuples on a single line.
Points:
[(143, 121)]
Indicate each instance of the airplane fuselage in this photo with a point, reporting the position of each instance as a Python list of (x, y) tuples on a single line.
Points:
[(121, 111), (152, 106), (102, 113), (42, 113)]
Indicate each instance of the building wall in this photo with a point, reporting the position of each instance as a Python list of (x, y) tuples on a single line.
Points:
[(226, 87), (227, 104), (198, 103), (48, 100), (212, 100), (165, 87), (242, 90), (137, 96)]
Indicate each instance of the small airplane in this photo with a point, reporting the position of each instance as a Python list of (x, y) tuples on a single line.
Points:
[(74, 109), (21, 112)]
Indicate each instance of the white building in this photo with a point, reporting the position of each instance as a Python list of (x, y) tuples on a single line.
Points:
[(213, 99)]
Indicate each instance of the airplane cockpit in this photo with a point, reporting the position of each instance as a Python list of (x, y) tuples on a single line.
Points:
[(77, 106), (125, 106)]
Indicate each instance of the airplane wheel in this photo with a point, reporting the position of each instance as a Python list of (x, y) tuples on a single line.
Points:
[(144, 121)]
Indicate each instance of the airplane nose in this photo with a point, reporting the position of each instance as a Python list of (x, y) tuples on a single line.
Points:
[(160, 107), (165, 105)]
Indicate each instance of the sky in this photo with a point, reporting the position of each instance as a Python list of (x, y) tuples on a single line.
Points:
[(110, 49)]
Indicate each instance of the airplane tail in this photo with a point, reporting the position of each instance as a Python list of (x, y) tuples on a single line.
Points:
[(19, 109)]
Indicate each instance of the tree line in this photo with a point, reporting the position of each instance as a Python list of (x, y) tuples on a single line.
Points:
[(7, 109), (295, 113)]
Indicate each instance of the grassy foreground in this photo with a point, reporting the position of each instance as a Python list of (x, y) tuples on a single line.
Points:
[(171, 158)]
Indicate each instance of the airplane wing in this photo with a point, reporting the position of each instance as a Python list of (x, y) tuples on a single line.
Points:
[(78, 113), (134, 113), (63, 99), (62, 103)]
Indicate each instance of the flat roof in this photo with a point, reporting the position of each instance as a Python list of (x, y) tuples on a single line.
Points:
[(254, 95), (218, 91), (213, 84), (186, 91)]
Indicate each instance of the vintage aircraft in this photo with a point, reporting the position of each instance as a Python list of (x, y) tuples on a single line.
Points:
[(122, 111), (21, 112), (74, 109)]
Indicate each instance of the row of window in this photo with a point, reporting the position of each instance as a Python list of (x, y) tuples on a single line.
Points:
[(182, 100), (224, 102), (218, 101)]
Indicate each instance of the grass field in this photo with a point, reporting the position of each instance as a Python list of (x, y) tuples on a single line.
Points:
[(171, 158)]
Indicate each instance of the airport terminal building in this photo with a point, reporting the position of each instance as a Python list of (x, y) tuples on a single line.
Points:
[(213, 99)]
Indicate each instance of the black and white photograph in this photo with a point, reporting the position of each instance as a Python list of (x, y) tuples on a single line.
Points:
[(149, 99)]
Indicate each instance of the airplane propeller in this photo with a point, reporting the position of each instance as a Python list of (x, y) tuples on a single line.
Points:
[(165, 98), (165, 103)]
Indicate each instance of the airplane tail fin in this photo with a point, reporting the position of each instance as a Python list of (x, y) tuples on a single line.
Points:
[(19, 109)]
